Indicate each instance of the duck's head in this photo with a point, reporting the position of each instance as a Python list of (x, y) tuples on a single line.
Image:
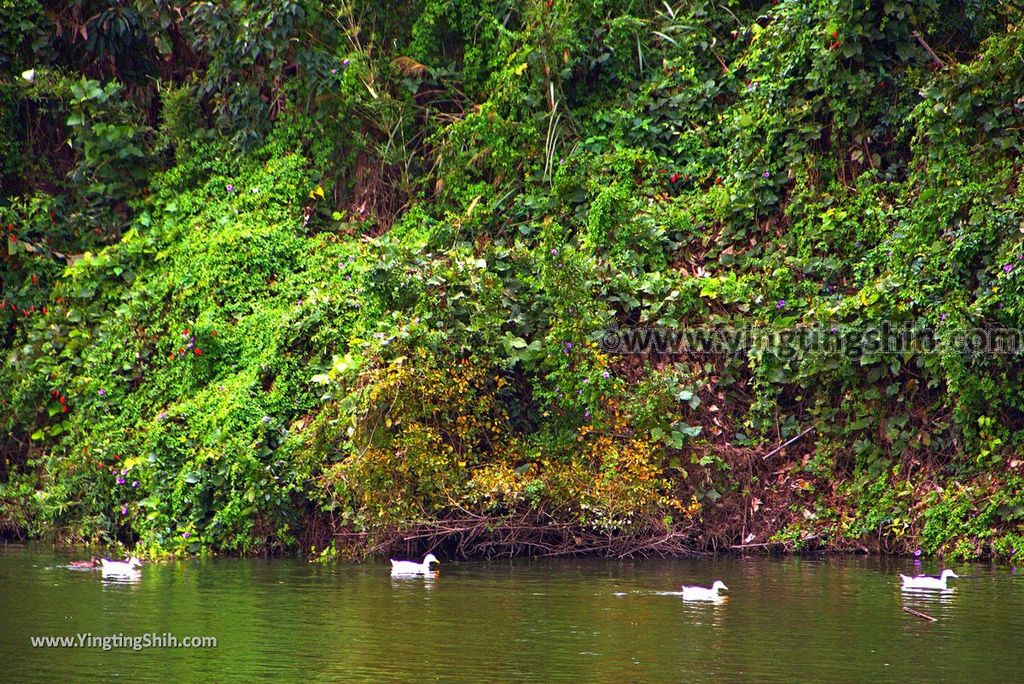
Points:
[(134, 562), (948, 573), (718, 586), (430, 560)]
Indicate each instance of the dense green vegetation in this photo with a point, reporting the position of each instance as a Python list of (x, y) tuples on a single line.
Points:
[(303, 277)]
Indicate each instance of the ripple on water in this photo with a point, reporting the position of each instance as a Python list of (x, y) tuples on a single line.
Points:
[(834, 619)]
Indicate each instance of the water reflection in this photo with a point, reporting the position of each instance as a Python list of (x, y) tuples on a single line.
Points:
[(705, 600), (934, 603), (427, 580), (713, 600), (935, 594), (829, 619), (120, 576)]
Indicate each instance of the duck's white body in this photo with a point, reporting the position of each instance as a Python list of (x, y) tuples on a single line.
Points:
[(412, 568), (131, 565), (703, 593), (926, 582)]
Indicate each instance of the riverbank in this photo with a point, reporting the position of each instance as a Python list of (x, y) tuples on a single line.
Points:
[(962, 523), (299, 297)]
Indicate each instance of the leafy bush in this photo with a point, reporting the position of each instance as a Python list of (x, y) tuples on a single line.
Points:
[(346, 269)]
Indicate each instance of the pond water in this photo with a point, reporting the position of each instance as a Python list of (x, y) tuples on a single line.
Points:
[(828, 619)]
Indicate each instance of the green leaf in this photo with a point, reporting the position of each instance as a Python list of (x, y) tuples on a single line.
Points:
[(690, 430)]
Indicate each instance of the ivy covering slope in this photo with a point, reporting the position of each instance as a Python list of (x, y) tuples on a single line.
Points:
[(323, 277)]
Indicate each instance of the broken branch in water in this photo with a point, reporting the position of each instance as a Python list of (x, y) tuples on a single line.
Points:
[(472, 535), (917, 613)]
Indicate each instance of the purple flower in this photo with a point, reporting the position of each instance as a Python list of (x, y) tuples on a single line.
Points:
[(124, 509), (767, 174), (135, 484), (161, 416), (568, 347), (605, 374), (102, 392), (120, 480), (229, 187), (917, 552), (1007, 268), (187, 535), (334, 71), (266, 419), (857, 243), (554, 252), (942, 317), (344, 62), (780, 304)]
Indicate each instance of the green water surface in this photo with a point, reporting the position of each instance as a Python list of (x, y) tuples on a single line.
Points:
[(792, 620)]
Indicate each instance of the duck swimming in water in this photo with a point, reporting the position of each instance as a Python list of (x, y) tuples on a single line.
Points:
[(132, 565), (927, 582), (412, 568), (703, 593), (93, 562)]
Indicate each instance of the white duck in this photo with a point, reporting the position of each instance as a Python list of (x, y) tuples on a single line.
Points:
[(131, 565), (412, 568), (703, 593), (927, 582)]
